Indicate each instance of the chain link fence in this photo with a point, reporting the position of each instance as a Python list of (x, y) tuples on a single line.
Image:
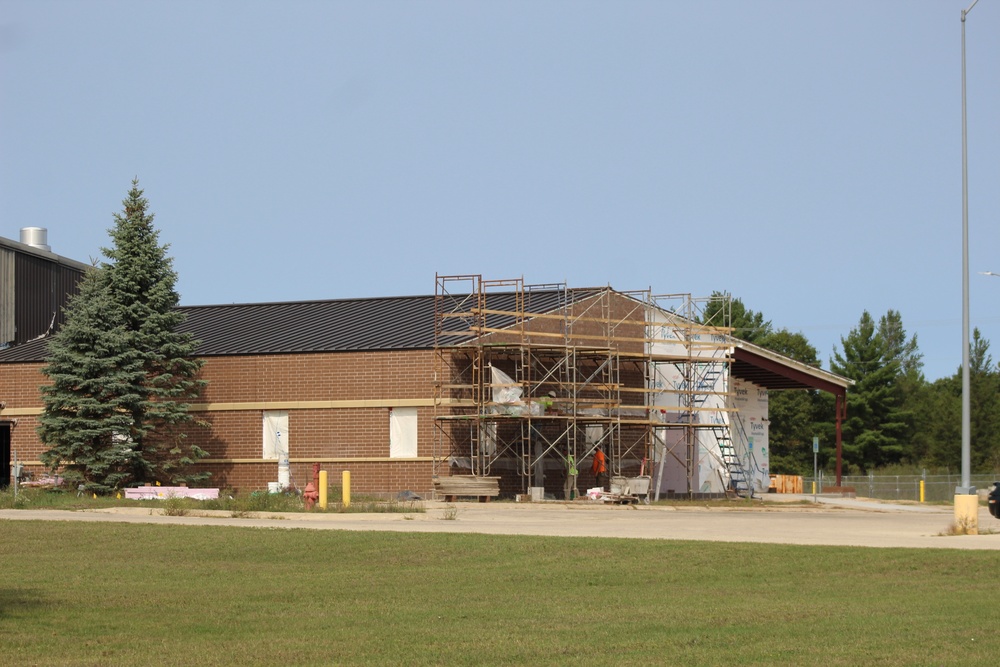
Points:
[(903, 487)]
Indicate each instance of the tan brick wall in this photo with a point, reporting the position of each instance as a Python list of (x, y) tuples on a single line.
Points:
[(311, 377), (314, 433), (241, 387), (19, 385)]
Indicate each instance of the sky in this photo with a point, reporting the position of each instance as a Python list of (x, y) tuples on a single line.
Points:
[(805, 157)]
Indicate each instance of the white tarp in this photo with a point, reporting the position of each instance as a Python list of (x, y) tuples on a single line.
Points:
[(275, 434), (403, 433), (507, 395), (505, 390)]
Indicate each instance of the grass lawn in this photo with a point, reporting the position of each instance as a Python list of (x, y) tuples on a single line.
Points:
[(121, 594)]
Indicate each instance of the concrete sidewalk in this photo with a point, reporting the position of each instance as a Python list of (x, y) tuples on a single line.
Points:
[(846, 522)]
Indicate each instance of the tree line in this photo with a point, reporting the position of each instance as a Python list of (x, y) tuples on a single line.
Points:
[(895, 416)]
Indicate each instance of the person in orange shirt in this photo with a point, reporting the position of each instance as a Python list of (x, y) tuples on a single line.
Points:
[(599, 467)]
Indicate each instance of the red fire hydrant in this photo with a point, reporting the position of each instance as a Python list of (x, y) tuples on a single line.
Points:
[(311, 494)]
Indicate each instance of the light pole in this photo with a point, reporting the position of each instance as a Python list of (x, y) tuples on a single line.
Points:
[(966, 501)]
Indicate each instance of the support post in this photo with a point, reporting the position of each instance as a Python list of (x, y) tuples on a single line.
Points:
[(841, 410), (323, 484), (966, 499), (347, 488)]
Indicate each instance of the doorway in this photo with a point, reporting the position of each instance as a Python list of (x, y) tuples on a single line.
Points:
[(4, 455)]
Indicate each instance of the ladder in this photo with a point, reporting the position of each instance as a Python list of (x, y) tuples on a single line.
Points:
[(705, 385), (739, 483)]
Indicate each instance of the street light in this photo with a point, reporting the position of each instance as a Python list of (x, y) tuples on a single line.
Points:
[(989, 273), (966, 500)]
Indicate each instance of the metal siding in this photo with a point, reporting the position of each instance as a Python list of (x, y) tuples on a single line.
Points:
[(67, 285), (34, 302), (7, 326)]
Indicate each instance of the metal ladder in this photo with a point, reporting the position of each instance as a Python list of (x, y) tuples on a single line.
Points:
[(738, 481)]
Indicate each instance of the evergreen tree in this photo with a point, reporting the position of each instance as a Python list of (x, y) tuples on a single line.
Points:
[(93, 371), (143, 367), (906, 352), (984, 404), (939, 423), (909, 383), (941, 413), (876, 422)]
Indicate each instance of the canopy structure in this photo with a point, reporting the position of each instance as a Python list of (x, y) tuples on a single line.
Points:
[(774, 371)]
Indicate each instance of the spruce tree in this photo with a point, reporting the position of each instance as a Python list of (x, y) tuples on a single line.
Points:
[(127, 332), (93, 371), (876, 421)]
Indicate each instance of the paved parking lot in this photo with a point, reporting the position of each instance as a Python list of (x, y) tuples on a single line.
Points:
[(834, 521)]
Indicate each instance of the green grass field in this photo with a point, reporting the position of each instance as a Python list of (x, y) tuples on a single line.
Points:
[(122, 594)]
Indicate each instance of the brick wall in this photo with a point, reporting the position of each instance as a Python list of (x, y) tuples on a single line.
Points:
[(241, 387), (235, 432)]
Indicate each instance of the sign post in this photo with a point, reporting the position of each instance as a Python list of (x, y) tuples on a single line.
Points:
[(815, 467)]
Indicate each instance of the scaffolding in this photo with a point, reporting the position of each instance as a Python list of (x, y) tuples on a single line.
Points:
[(530, 380), (689, 357)]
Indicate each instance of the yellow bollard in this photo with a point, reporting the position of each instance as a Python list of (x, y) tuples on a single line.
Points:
[(322, 489), (967, 514), (347, 488), (814, 488), (921, 490)]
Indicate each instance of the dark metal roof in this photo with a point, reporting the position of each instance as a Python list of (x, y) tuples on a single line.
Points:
[(313, 326), (33, 350), (343, 325), (407, 323)]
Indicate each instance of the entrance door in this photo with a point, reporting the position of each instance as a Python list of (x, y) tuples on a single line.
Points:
[(4, 455)]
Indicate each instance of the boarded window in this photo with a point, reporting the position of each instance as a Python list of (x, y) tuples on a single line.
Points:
[(275, 434), (403, 433)]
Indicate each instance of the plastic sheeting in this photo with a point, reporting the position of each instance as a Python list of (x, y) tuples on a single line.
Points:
[(505, 390), (508, 397), (403, 433), (275, 434)]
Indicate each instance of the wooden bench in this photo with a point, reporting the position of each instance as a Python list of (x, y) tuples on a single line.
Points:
[(483, 488)]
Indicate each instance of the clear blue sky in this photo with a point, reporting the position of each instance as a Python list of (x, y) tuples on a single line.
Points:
[(804, 156)]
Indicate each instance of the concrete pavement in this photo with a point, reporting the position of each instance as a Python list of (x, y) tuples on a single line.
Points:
[(833, 521)]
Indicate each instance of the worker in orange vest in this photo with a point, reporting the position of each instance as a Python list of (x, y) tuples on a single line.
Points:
[(599, 468)]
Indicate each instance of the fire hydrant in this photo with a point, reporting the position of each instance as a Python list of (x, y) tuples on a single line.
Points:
[(310, 495)]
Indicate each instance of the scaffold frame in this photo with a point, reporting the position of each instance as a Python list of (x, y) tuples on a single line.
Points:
[(584, 365)]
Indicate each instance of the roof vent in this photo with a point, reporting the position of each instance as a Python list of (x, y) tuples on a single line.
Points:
[(36, 237)]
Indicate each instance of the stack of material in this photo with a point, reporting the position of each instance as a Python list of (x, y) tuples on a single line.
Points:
[(786, 484), (164, 492), (451, 487)]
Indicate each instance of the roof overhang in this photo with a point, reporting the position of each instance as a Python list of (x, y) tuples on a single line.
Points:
[(43, 254), (775, 371)]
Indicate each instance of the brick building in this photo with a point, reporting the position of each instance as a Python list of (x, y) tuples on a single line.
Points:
[(35, 284), (486, 378)]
